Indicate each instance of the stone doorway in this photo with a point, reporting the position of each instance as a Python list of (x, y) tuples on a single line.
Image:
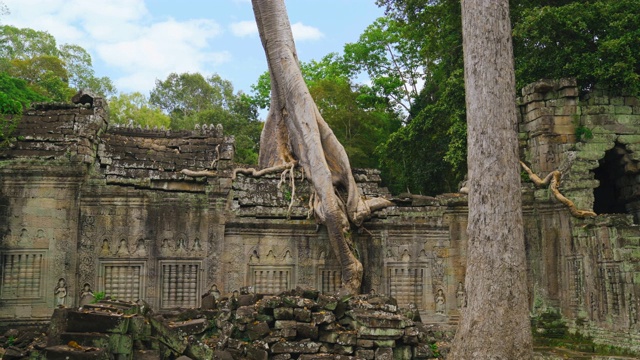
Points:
[(619, 189)]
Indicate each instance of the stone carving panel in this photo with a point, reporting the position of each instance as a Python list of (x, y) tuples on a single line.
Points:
[(329, 279), (22, 275), (575, 270), (179, 284), (273, 272), (122, 280), (406, 284)]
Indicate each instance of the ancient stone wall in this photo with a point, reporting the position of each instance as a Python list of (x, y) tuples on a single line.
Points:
[(82, 203), (588, 269)]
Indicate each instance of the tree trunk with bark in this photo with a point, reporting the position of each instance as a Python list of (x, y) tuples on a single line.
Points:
[(295, 132), (495, 323)]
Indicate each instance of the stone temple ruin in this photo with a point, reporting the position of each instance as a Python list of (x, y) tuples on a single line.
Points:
[(89, 208)]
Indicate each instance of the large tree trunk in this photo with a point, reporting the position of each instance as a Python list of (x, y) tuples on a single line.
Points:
[(295, 131), (495, 323)]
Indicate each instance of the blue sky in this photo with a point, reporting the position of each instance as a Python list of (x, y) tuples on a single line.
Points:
[(135, 42)]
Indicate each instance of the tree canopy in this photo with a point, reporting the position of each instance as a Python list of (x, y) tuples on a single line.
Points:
[(595, 41), (56, 72), (191, 98)]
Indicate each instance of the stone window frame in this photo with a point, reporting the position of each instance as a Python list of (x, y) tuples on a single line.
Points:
[(199, 277), (41, 297), (103, 263), (319, 279), (414, 265), (291, 268)]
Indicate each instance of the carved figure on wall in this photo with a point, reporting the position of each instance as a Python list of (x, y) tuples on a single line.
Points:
[(440, 302), (123, 249), (196, 245), (24, 236), (633, 310), (438, 270), (141, 248), (461, 296), (166, 246), (215, 292), (86, 295), (106, 249), (405, 256), (594, 305), (181, 245), (60, 293), (287, 256)]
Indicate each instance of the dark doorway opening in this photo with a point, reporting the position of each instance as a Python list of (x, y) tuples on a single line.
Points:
[(616, 173)]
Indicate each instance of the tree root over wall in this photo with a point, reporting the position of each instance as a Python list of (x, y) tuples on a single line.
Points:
[(553, 180)]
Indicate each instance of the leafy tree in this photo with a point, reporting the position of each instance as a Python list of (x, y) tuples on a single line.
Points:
[(596, 41), (428, 155), (192, 99), (55, 71), (359, 129), (46, 75), (135, 107), (81, 74), (390, 61), (15, 95)]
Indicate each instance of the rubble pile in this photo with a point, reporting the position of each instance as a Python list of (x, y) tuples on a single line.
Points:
[(298, 324)]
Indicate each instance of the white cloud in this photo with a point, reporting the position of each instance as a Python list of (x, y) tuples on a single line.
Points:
[(303, 32), (155, 51), (244, 28)]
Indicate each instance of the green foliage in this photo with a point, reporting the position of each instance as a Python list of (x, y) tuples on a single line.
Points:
[(136, 107), (100, 295), (10, 341), (15, 95), (596, 41), (360, 118), (582, 132), (434, 350), (56, 72), (192, 99), (389, 59), (428, 155)]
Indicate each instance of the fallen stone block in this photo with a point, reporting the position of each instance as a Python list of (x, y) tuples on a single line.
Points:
[(80, 321), (97, 340), (189, 327), (293, 347), (64, 352), (326, 356), (146, 355), (257, 330), (302, 314), (322, 317), (307, 331), (283, 313), (384, 354)]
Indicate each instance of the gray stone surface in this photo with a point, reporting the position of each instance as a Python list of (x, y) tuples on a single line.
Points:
[(108, 206)]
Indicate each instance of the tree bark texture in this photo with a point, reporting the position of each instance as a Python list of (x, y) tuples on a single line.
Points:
[(495, 323), (295, 131)]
